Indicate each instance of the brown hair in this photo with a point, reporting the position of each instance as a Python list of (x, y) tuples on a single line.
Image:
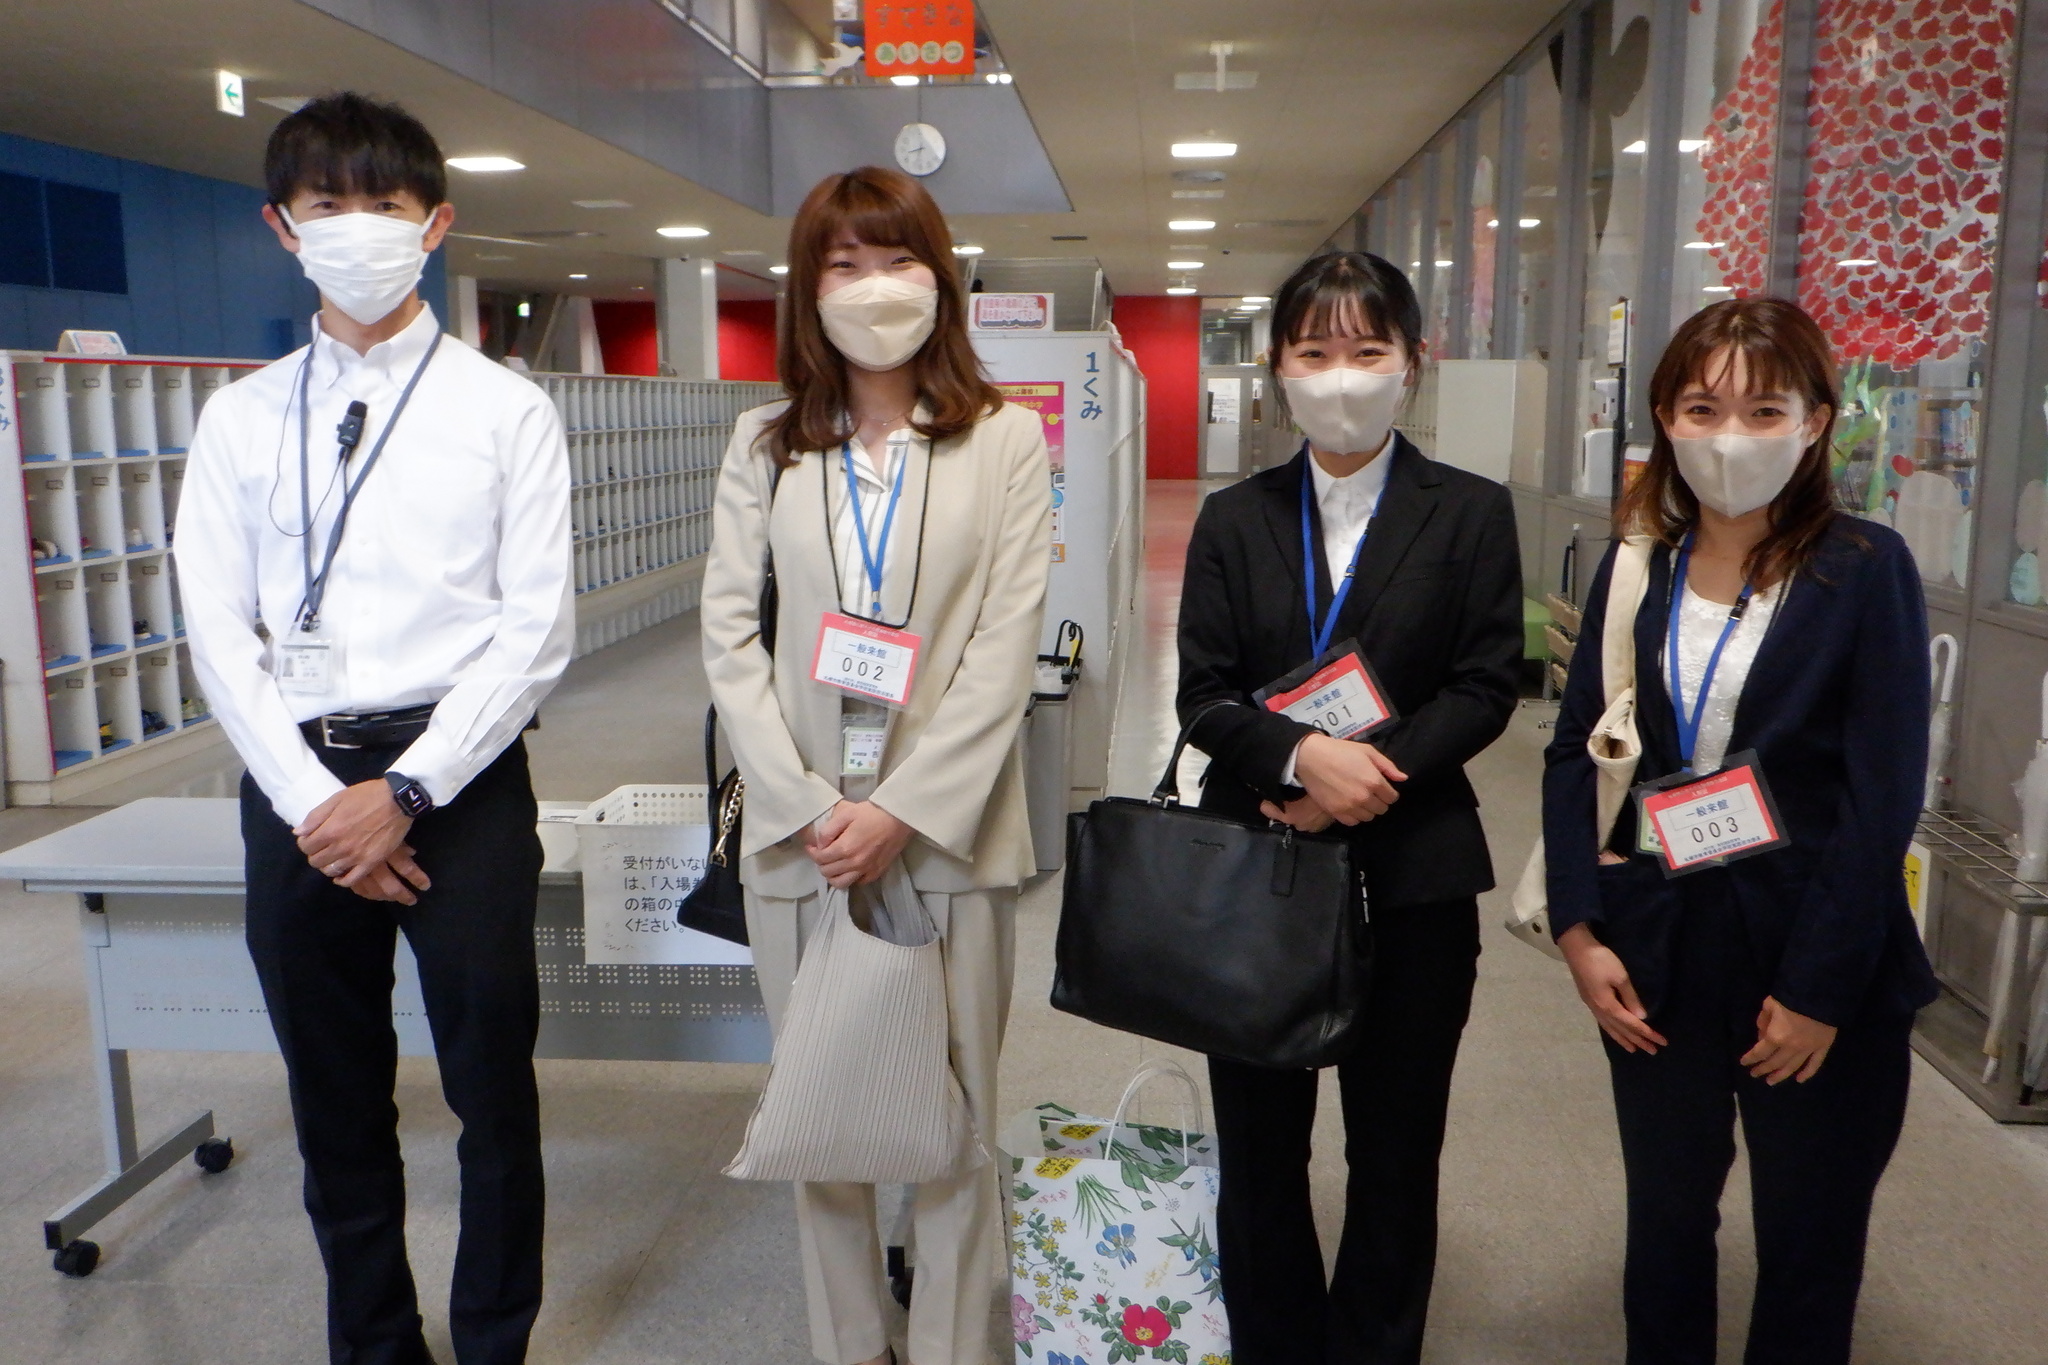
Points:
[(877, 207), (1783, 351)]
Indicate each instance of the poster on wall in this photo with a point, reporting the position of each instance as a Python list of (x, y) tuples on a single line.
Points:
[(1009, 312), (1050, 403), (931, 38)]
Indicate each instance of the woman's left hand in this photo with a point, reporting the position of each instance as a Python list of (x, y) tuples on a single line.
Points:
[(1788, 1045), (1303, 813), (856, 842)]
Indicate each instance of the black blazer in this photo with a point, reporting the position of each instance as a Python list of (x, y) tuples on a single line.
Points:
[(1437, 609), (1836, 708)]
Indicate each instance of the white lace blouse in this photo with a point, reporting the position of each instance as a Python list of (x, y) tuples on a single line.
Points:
[(1699, 626)]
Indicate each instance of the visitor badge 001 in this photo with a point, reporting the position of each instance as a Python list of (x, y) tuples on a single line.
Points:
[(1336, 693), (1714, 820), (865, 659)]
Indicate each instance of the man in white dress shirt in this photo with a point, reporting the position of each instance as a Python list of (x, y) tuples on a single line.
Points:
[(373, 551)]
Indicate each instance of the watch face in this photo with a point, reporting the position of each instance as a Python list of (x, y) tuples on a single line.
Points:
[(920, 149)]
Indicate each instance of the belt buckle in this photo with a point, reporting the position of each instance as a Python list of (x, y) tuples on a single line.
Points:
[(327, 738)]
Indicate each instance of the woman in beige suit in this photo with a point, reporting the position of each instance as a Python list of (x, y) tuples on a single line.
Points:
[(895, 488)]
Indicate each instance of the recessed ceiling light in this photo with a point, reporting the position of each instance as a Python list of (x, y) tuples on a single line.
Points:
[(600, 203), (684, 230), (1184, 265), (1531, 222), (1704, 246), (1717, 289), (778, 270), (579, 277), (1000, 78), (1691, 144), (1443, 265), (1257, 298), (1180, 289), (1192, 151), (480, 165), (1191, 225), (1856, 260), (903, 80), (967, 250)]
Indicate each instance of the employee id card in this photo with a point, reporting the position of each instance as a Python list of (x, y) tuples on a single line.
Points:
[(865, 658), (861, 742), (1336, 692), (1693, 822), (308, 664)]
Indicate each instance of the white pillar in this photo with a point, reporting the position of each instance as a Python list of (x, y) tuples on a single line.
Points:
[(686, 316), (589, 353), (467, 322)]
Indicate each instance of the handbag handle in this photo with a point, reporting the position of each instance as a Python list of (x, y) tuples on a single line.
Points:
[(711, 747), (1167, 793), (1154, 1071)]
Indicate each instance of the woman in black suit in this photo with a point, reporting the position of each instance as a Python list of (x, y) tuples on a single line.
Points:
[(1359, 545), (1779, 985)]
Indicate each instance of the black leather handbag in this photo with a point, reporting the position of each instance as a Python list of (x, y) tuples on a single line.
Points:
[(1207, 933)]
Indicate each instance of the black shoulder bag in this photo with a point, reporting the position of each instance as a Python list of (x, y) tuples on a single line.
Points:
[(1207, 933), (717, 905)]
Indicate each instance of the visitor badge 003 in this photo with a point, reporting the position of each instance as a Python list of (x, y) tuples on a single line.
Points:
[(1714, 820), (1335, 692), (865, 659), (306, 665)]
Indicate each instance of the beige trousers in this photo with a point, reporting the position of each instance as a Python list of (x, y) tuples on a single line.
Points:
[(956, 1222)]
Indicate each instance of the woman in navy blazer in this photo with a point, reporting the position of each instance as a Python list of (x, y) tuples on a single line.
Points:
[(1781, 986)]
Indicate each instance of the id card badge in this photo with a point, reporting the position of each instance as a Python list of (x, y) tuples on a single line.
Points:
[(1711, 821), (1336, 692), (307, 664), (865, 659), (861, 742)]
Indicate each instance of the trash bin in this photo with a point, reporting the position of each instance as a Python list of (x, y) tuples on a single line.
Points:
[(1046, 724)]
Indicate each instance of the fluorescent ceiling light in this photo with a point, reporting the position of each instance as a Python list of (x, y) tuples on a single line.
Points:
[(1532, 222), (1637, 148), (1194, 151), (1180, 289), (1257, 298), (479, 165), (1704, 246), (600, 203), (967, 250), (1184, 265), (1443, 265), (1493, 222), (1856, 260), (1191, 225), (778, 270), (1691, 144), (903, 80), (1000, 78), (1717, 289), (684, 230)]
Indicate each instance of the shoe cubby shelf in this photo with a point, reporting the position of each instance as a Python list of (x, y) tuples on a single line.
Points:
[(95, 671)]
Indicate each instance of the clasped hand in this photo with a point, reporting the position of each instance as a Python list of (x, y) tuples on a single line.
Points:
[(356, 838), (855, 843), (1347, 783)]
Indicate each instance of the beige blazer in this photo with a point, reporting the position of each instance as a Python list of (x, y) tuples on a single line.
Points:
[(951, 769)]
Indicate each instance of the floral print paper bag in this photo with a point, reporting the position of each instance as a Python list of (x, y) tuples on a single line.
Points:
[(1112, 1240)]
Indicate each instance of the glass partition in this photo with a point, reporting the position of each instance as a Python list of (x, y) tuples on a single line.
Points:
[(1485, 229), (1542, 119), (1728, 146), (1445, 245)]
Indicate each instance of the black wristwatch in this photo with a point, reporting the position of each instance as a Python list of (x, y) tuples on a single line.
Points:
[(411, 797)]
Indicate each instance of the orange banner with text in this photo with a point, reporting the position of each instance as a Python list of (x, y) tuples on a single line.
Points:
[(925, 38)]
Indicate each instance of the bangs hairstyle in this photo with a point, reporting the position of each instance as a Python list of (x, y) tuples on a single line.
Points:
[(874, 206), (351, 144), (1782, 351), (1340, 292)]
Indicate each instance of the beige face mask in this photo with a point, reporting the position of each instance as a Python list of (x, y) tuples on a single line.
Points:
[(880, 321)]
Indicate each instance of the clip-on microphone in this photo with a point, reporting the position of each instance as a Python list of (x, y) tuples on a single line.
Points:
[(350, 431)]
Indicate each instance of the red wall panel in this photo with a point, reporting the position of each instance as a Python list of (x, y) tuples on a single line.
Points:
[(627, 337), (1165, 334), (746, 339)]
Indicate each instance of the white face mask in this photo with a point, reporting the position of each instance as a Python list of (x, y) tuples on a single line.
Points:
[(1345, 411), (1734, 474), (880, 321), (365, 264)]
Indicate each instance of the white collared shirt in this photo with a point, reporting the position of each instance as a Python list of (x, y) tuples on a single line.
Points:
[(1346, 507), (452, 584), (898, 560)]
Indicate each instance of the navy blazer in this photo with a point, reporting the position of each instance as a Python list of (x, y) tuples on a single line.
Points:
[(1436, 605), (1836, 708)]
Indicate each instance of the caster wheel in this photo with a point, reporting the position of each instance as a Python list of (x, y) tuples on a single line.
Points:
[(77, 1259), (214, 1154)]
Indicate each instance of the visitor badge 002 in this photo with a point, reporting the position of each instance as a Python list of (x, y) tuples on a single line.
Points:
[(865, 659), (1335, 692), (1714, 820)]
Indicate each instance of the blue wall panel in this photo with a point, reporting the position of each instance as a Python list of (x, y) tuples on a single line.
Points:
[(205, 275)]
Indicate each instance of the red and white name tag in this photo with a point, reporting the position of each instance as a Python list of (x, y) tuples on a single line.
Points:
[(1337, 695), (865, 659), (1712, 819)]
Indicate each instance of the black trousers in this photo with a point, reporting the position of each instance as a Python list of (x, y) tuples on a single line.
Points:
[(1396, 1087), (324, 957), (1816, 1152)]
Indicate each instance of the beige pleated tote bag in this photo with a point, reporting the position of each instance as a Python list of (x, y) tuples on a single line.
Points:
[(861, 1087), (1613, 744)]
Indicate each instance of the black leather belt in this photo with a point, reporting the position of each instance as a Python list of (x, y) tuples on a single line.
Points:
[(371, 730)]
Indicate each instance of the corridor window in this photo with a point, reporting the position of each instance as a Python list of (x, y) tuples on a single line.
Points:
[(1727, 161), (1486, 224)]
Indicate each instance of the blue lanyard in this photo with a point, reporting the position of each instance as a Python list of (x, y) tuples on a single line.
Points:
[(1319, 635), (873, 560), (1689, 725)]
